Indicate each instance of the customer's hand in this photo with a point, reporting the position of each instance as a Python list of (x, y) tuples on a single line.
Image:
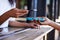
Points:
[(46, 22), (33, 25), (17, 12)]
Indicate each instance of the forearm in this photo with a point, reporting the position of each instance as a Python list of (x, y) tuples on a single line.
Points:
[(4, 17), (54, 25), (18, 24)]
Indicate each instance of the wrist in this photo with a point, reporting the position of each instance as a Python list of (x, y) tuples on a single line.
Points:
[(11, 12), (50, 23), (28, 25), (7, 14)]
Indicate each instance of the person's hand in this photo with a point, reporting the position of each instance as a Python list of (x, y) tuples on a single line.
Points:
[(33, 25), (46, 22), (17, 12)]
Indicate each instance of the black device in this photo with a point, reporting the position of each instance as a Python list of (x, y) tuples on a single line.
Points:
[(36, 9), (38, 6)]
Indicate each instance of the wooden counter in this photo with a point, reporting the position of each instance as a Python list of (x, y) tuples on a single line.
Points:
[(26, 34)]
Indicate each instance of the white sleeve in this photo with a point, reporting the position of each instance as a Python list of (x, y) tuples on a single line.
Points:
[(12, 19), (5, 24)]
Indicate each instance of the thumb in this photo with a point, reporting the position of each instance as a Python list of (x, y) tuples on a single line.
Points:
[(41, 22)]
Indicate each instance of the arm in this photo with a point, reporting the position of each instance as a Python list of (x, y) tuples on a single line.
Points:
[(12, 13), (22, 24), (51, 23), (55, 25), (4, 17)]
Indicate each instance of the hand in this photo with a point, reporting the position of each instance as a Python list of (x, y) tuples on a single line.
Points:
[(46, 22), (17, 12), (33, 25)]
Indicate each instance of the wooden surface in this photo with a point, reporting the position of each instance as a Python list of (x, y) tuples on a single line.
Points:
[(29, 34)]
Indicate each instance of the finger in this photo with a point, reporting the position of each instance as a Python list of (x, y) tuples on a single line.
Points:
[(38, 26), (39, 22), (23, 11), (18, 16), (35, 21), (21, 14), (46, 18), (35, 25), (27, 11), (43, 23)]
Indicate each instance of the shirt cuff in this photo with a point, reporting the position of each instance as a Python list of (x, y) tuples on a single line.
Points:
[(12, 19)]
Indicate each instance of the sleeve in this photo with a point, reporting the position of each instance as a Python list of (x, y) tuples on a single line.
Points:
[(12, 19)]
